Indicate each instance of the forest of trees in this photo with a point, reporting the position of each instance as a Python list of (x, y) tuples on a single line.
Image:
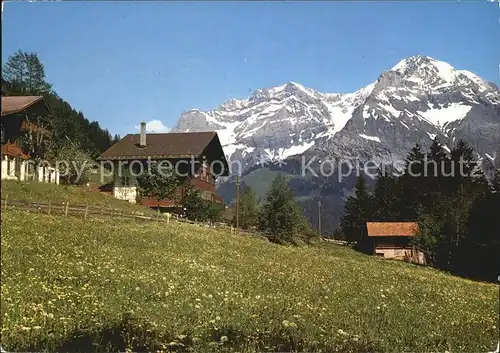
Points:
[(457, 212), (24, 74)]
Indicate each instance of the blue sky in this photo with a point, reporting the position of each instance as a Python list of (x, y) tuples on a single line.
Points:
[(121, 63)]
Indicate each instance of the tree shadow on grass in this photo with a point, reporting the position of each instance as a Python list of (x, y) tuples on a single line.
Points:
[(131, 334)]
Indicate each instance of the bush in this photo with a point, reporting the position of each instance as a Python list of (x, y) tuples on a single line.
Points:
[(199, 209), (75, 164)]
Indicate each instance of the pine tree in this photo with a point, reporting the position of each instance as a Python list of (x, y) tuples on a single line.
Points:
[(116, 138), (495, 183), (415, 160), (435, 181), (437, 152), (280, 215), (356, 213), (25, 72), (385, 198), (248, 209), (436, 164), (462, 163), (412, 184)]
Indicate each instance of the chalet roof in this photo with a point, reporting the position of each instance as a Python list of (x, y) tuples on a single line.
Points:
[(160, 145), (16, 104), (393, 229)]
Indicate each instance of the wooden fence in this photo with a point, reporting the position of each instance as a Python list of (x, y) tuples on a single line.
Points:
[(86, 211), (337, 242)]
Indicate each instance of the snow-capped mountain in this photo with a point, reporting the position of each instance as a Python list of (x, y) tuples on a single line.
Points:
[(417, 100)]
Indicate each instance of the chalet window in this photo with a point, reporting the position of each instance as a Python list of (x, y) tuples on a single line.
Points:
[(125, 181)]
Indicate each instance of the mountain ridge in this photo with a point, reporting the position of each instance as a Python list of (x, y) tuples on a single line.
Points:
[(417, 100)]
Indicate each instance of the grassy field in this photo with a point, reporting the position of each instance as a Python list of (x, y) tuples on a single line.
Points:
[(76, 195), (99, 285)]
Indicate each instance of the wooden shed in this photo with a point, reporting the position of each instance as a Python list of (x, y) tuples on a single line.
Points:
[(391, 240)]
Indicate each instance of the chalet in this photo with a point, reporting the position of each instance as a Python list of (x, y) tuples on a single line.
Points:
[(18, 118), (197, 156), (391, 240)]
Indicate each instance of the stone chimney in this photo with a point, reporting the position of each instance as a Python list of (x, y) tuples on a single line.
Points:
[(142, 141)]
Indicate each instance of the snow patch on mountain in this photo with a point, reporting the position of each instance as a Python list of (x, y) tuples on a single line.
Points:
[(371, 138), (283, 153), (431, 136), (490, 157), (445, 114), (389, 108)]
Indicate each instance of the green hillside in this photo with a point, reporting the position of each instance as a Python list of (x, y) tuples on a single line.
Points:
[(107, 285), (76, 195)]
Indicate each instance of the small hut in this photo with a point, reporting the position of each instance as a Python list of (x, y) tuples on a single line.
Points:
[(391, 240)]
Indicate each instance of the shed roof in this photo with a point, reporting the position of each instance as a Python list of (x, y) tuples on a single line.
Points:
[(16, 104), (12, 150), (393, 229)]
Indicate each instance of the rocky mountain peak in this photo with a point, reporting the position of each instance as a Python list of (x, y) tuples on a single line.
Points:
[(417, 100), (427, 71)]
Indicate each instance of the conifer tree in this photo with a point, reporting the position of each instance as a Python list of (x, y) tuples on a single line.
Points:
[(25, 72), (248, 209), (412, 184), (280, 215), (356, 214), (437, 164), (495, 183), (462, 160), (385, 198)]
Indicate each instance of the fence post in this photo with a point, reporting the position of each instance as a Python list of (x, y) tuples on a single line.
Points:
[(158, 214), (86, 210), (6, 199), (50, 206), (66, 210), (168, 218)]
